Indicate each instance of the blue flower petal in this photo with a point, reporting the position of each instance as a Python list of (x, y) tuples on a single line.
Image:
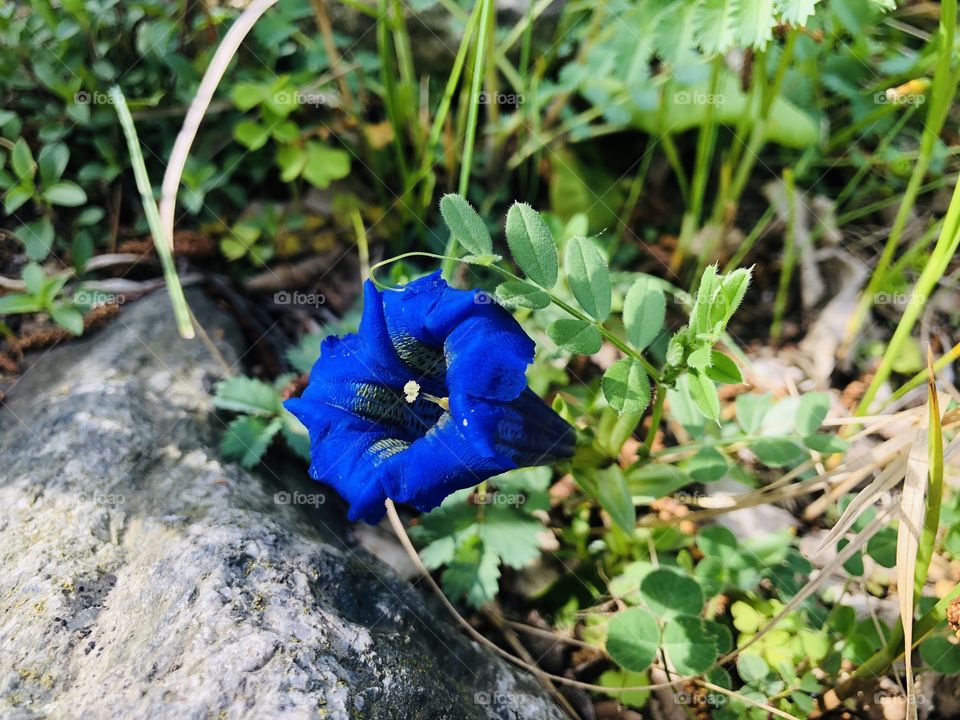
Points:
[(525, 430), (443, 461), (370, 444)]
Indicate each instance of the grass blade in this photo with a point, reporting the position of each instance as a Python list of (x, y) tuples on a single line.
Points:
[(163, 244)]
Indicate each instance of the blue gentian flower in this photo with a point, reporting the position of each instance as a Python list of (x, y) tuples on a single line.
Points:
[(429, 397)]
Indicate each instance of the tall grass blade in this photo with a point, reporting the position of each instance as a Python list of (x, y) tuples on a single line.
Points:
[(163, 244)]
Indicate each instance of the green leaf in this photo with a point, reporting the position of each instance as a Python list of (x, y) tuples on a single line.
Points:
[(750, 411), (813, 409), (53, 161), (473, 574), (588, 276), (668, 593), (690, 644), (66, 193), (614, 496), (466, 225), (617, 679), (626, 386), (714, 25), (655, 480), (252, 135), (644, 309), (632, 639), (826, 443), (18, 304), (247, 95), (444, 528), (247, 439), (532, 245), (745, 617), (731, 288), (576, 336), (778, 452), (67, 317), (796, 12), (512, 535), (882, 547), (708, 465), (752, 668), (755, 23), (291, 160), (247, 395), (516, 294), (34, 278), (37, 237), (16, 197), (704, 394), (941, 654), (723, 369), (699, 358), (296, 435), (22, 160), (305, 353), (325, 164)]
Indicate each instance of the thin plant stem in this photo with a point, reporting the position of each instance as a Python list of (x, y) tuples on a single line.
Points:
[(655, 419), (944, 250), (789, 255), (944, 88), (471, 134), (163, 245)]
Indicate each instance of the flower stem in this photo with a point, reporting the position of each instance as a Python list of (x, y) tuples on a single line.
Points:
[(655, 418), (476, 78)]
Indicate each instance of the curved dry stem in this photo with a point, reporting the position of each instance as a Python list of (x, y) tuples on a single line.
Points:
[(198, 108)]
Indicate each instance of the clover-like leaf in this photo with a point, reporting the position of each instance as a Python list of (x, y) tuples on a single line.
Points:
[(626, 386), (516, 293), (466, 225), (644, 309), (577, 336), (632, 639), (668, 593), (532, 245), (588, 276), (690, 643)]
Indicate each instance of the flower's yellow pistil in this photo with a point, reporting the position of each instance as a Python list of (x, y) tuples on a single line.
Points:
[(411, 391)]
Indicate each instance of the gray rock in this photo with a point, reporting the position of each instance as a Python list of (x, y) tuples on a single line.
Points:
[(145, 577)]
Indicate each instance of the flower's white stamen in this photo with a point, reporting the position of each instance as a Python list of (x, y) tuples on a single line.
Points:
[(411, 390)]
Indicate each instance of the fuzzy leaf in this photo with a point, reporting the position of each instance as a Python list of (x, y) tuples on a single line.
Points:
[(247, 395), (588, 276), (532, 244), (626, 387), (577, 336), (247, 439), (644, 309), (466, 225), (516, 293)]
